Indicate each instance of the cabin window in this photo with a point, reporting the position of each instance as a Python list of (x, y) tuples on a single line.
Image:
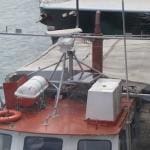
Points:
[(42, 143), (5, 141), (94, 145)]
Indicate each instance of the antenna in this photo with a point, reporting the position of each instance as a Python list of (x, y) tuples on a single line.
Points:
[(77, 13), (128, 130), (125, 48)]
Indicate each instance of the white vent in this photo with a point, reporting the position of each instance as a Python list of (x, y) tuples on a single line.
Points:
[(103, 102)]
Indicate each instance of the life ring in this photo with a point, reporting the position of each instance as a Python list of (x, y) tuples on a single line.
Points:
[(7, 116)]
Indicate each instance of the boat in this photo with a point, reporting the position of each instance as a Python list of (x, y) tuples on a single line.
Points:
[(63, 101), (67, 104), (61, 14), (70, 103)]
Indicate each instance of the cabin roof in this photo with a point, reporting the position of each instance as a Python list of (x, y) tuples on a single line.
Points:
[(70, 120), (102, 5)]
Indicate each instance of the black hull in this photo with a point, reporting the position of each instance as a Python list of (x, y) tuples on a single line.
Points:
[(111, 22)]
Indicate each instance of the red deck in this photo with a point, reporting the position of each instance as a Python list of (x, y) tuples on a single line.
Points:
[(69, 121)]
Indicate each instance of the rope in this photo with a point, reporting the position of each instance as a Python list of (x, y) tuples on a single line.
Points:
[(46, 52)]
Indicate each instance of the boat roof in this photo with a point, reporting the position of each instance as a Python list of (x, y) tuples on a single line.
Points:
[(70, 120), (113, 58), (102, 5)]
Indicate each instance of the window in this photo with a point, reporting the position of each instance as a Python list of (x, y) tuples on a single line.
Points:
[(42, 143), (94, 145), (5, 142)]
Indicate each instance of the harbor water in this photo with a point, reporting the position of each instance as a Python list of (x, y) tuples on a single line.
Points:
[(16, 51)]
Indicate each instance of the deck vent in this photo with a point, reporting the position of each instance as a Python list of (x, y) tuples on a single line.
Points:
[(103, 102)]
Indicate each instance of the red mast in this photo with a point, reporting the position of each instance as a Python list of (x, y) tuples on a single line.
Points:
[(97, 46)]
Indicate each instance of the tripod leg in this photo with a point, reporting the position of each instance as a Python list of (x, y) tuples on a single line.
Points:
[(60, 84), (52, 74)]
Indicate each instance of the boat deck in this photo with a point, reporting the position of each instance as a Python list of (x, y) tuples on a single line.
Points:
[(69, 120)]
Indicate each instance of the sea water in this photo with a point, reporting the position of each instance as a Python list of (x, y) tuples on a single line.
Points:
[(16, 51)]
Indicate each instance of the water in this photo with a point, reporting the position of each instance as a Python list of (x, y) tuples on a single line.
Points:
[(16, 51)]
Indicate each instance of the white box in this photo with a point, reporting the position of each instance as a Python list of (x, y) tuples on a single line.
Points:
[(103, 101)]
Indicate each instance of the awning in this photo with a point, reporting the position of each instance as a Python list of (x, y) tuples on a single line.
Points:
[(138, 56), (102, 5)]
